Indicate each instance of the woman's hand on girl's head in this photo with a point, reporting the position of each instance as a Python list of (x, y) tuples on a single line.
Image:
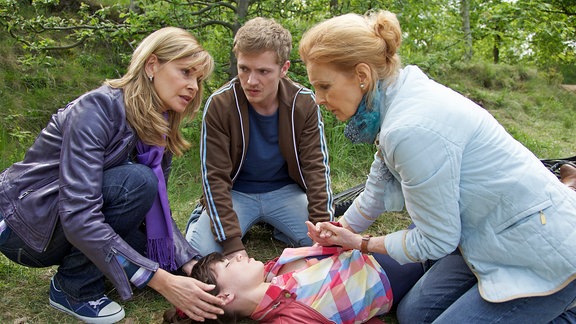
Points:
[(187, 294)]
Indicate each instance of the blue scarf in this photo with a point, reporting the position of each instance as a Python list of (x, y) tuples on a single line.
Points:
[(364, 125), (160, 243)]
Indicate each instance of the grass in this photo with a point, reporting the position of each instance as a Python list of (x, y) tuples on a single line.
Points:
[(24, 291), (529, 103)]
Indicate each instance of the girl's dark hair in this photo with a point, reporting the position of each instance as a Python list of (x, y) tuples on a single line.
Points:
[(202, 271)]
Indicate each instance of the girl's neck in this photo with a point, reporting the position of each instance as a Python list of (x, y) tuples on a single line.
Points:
[(250, 299)]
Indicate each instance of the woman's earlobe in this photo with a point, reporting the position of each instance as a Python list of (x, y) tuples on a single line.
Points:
[(363, 72), (150, 65)]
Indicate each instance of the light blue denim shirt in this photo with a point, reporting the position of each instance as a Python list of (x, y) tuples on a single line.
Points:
[(467, 184)]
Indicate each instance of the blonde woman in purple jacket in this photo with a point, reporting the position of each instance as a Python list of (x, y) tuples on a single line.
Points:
[(90, 194)]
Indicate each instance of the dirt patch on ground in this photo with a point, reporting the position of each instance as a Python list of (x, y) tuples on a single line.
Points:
[(569, 87)]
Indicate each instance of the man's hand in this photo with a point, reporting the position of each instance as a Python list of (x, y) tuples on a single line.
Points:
[(187, 294), (187, 267), (243, 253)]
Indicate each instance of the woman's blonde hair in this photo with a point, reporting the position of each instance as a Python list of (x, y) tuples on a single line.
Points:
[(143, 106), (350, 39)]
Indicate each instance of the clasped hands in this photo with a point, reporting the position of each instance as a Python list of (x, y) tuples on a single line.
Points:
[(327, 234)]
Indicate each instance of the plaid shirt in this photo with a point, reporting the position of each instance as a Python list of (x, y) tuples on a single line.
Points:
[(344, 286)]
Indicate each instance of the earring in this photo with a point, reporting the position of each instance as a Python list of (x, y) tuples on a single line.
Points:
[(361, 85), (151, 78)]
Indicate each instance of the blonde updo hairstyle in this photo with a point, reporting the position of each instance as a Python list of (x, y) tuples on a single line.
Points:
[(350, 39), (143, 105)]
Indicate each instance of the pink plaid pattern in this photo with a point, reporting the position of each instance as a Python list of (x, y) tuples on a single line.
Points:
[(344, 286)]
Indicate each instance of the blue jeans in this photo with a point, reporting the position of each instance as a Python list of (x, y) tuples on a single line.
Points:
[(128, 191), (448, 293), (286, 209), (401, 277)]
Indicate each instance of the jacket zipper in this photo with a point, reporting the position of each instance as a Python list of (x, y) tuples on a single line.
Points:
[(38, 185), (113, 252), (117, 158), (310, 308), (29, 191), (268, 311), (50, 238)]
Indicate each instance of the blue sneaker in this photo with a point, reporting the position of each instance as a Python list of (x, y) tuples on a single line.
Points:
[(100, 311)]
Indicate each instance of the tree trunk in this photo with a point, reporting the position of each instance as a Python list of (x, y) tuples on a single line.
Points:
[(134, 7), (465, 14), (241, 13), (334, 7), (496, 48)]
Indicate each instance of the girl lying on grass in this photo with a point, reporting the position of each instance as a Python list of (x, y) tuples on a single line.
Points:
[(305, 285)]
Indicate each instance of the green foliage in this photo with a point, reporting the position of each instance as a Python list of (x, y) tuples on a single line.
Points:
[(539, 33), (349, 162)]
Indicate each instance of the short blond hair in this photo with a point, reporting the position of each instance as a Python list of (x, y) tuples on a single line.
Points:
[(350, 39), (141, 100), (263, 34)]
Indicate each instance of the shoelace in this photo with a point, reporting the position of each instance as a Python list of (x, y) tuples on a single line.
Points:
[(96, 303)]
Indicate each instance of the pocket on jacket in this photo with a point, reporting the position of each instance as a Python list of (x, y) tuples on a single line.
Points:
[(522, 216), (40, 199)]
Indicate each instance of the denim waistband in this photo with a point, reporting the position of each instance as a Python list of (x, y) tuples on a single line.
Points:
[(4, 230), (3, 226)]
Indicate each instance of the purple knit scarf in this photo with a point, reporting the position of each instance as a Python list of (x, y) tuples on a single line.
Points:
[(158, 219)]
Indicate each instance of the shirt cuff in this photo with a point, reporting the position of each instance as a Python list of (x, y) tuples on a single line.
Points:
[(355, 219), (396, 247), (232, 245), (138, 276)]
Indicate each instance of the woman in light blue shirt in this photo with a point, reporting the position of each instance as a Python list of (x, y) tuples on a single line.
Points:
[(501, 225)]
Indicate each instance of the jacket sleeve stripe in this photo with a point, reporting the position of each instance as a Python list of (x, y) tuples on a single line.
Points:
[(324, 146), (213, 212), (324, 150)]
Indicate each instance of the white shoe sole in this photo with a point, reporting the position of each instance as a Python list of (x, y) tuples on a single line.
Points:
[(100, 320)]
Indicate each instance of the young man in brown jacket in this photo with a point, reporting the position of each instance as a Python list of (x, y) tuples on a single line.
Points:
[(264, 155)]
